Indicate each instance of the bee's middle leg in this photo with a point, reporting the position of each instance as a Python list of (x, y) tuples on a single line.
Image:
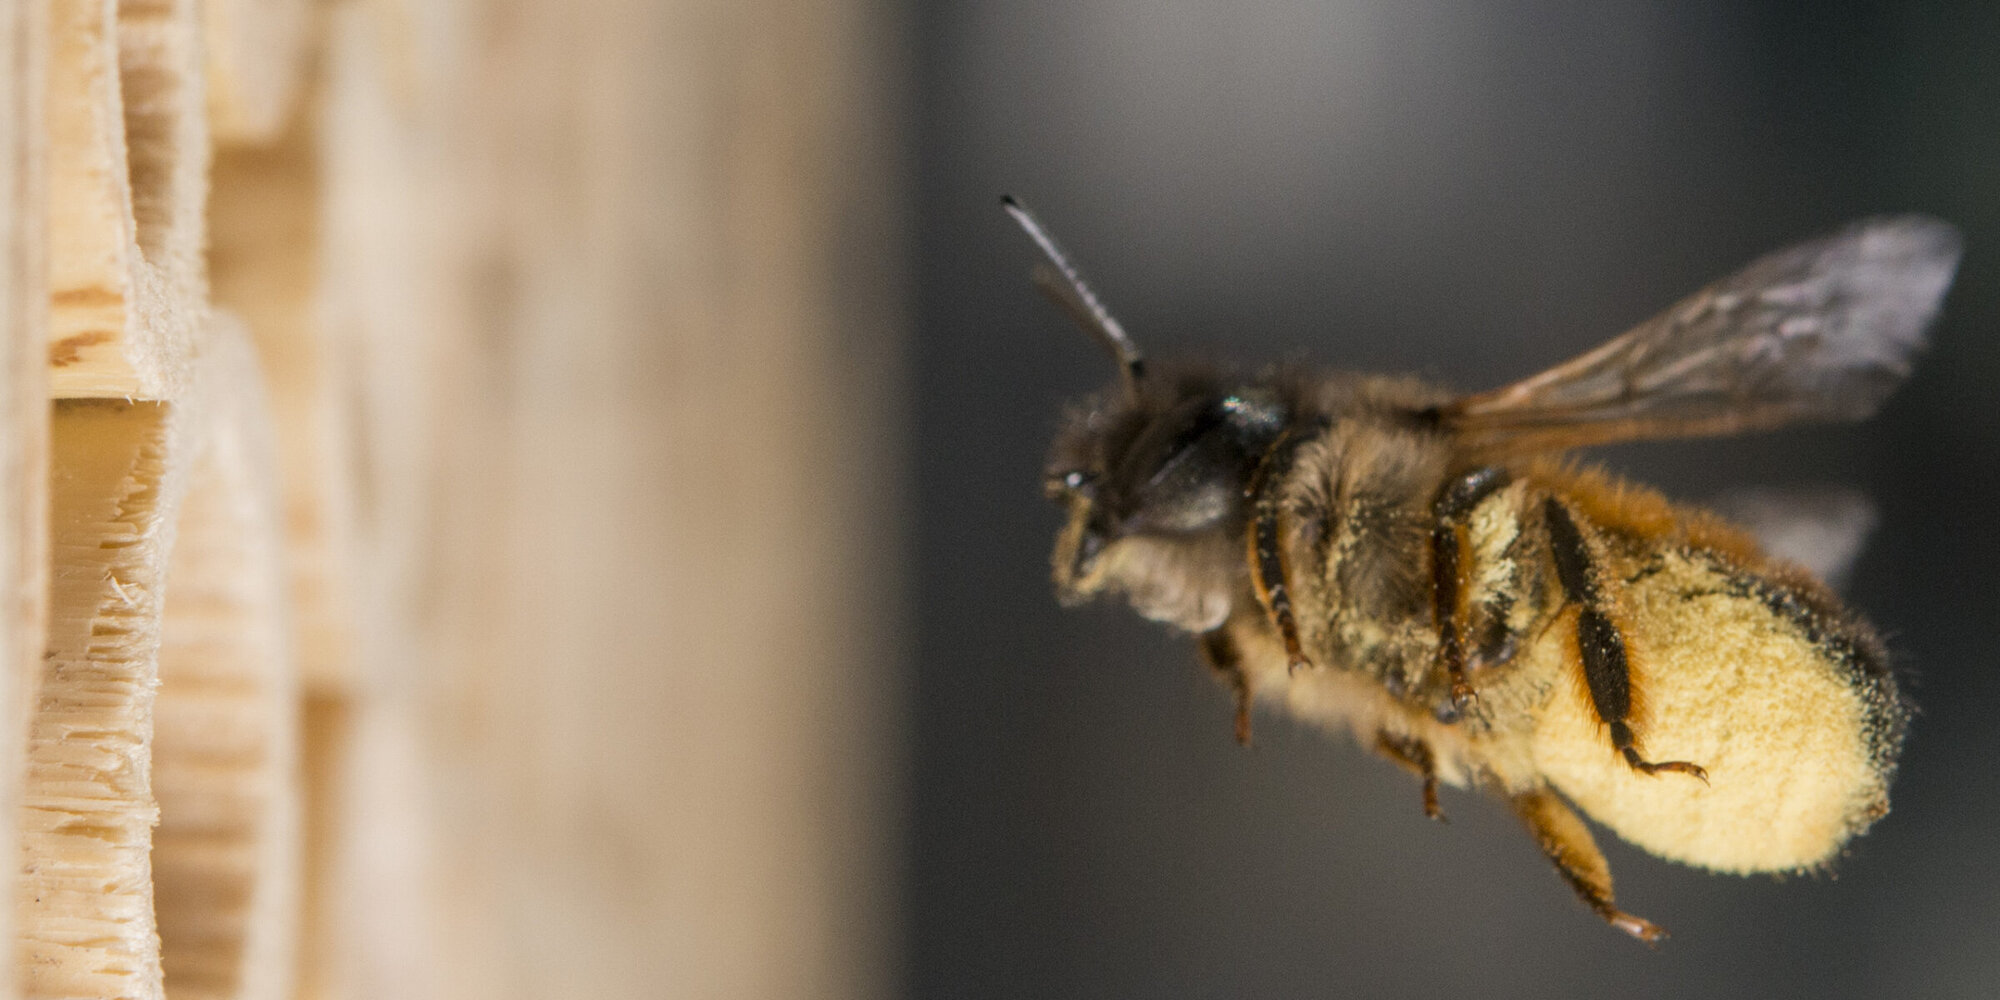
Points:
[(1600, 645), (1448, 570)]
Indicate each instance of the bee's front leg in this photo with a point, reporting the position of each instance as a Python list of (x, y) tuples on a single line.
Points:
[(1218, 650), (1416, 755), (1569, 846), (1449, 569), (1268, 571)]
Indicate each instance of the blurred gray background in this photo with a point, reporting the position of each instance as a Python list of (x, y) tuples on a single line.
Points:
[(1472, 193)]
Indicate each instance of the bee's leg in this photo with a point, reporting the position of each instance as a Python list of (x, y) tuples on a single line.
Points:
[(1599, 644), (1570, 847), (1448, 570), (1416, 755), (1269, 566), (1219, 650), (1267, 561)]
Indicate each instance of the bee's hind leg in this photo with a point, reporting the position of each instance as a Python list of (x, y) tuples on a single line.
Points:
[(1599, 644), (1416, 755), (1569, 846)]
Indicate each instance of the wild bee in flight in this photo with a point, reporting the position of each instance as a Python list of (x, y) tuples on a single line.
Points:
[(1427, 570)]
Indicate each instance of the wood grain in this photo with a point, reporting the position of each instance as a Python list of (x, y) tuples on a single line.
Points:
[(88, 812), (24, 420), (128, 155), (226, 855)]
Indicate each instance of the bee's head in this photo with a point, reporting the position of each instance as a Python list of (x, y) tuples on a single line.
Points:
[(1153, 474), (1153, 470)]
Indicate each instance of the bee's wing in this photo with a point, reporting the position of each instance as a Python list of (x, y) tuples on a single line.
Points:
[(1820, 331), (1821, 529)]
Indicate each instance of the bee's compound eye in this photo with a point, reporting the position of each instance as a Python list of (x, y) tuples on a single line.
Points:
[(1073, 482)]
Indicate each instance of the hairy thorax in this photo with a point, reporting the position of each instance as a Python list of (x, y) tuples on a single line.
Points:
[(1356, 524)]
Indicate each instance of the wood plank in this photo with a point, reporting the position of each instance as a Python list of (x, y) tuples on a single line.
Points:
[(219, 696), (265, 261), (24, 414), (87, 922), (257, 53), (665, 566), (225, 744), (128, 173)]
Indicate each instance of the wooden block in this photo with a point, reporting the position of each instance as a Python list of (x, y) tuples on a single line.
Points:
[(128, 149), (225, 758), (264, 262), (124, 473), (24, 296), (662, 691), (257, 54), (393, 250), (87, 818)]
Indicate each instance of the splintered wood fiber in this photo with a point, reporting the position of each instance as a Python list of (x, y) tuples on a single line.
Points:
[(87, 817)]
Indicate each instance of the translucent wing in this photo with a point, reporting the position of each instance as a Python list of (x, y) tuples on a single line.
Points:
[(1821, 529), (1824, 330)]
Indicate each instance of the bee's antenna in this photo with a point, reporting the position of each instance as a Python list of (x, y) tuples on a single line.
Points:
[(1060, 281)]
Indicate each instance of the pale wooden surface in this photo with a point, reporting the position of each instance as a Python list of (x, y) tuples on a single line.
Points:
[(390, 219), (657, 692), (91, 239), (88, 813), (579, 332), (169, 696), (670, 692), (257, 58), (129, 318), (128, 174), (265, 266), (225, 746), (24, 414)]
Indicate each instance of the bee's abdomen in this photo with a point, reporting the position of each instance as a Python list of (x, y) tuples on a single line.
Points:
[(1782, 698), (1851, 647)]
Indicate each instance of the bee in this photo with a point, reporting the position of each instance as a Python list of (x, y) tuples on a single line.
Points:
[(1429, 571)]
